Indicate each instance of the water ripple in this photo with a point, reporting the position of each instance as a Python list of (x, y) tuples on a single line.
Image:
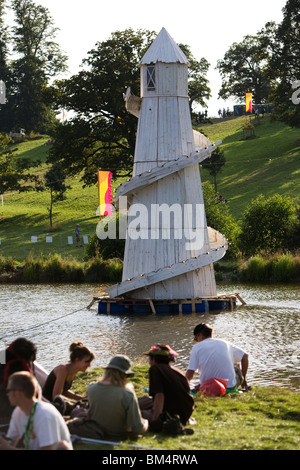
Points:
[(267, 327)]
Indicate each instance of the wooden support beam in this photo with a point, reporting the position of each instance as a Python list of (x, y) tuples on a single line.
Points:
[(240, 299)]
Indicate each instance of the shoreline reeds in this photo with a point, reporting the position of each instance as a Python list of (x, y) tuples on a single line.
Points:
[(53, 268)]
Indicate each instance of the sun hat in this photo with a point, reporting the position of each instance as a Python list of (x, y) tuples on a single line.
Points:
[(121, 363), (163, 350)]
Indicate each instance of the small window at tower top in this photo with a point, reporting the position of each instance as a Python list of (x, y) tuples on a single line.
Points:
[(151, 77)]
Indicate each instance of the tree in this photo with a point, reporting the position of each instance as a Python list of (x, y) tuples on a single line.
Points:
[(244, 69), (284, 65), (14, 173), (102, 133), (55, 182), (268, 225), (3, 44), (38, 58), (199, 90), (214, 164), (4, 70), (219, 217)]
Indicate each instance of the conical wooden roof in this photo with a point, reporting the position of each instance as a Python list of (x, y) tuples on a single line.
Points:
[(164, 49)]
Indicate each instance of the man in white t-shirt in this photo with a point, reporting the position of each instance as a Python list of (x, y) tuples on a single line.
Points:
[(216, 358), (38, 423)]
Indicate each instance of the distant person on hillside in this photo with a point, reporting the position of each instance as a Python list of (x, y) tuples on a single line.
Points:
[(59, 381), (77, 235)]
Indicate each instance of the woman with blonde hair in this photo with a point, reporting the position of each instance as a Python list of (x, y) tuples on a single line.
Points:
[(59, 382), (113, 408)]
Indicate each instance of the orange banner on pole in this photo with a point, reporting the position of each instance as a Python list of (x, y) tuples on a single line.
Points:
[(248, 102), (104, 192)]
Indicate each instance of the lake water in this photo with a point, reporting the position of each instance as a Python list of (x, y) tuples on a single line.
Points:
[(52, 316)]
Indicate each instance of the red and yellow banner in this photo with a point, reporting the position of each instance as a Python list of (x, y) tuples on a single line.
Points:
[(248, 102), (104, 192)]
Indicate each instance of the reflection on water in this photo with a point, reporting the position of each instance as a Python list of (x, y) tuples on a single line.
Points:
[(55, 315)]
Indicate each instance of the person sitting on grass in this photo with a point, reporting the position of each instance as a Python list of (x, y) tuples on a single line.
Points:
[(168, 388), (216, 359), (58, 383), (113, 411), (20, 355), (34, 424)]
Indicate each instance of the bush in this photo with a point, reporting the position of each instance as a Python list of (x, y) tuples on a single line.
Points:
[(268, 225), (284, 268), (280, 267), (99, 270), (257, 269), (107, 248), (7, 264), (218, 217), (33, 269)]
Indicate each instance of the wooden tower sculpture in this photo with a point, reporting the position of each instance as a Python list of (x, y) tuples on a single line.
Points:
[(169, 257)]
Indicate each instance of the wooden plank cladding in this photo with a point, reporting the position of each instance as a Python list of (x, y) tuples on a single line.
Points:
[(169, 250)]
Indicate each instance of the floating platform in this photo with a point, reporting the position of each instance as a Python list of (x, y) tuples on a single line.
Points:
[(123, 306)]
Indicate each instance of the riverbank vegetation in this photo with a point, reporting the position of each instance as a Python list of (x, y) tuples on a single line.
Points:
[(264, 418), (54, 268), (259, 215), (278, 267)]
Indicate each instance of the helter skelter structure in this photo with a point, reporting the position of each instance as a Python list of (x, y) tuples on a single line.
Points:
[(169, 250)]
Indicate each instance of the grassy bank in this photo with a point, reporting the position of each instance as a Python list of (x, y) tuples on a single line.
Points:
[(278, 267), (266, 164), (55, 268), (264, 418), (23, 215)]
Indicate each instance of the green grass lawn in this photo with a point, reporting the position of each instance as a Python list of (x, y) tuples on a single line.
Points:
[(266, 164), (26, 214), (264, 418)]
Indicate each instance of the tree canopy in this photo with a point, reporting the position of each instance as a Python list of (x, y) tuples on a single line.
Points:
[(268, 225), (37, 57), (15, 173), (101, 133), (267, 64), (214, 164), (285, 66), (244, 69)]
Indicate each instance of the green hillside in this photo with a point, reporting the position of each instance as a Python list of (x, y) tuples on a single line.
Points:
[(267, 164), (26, 214)]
